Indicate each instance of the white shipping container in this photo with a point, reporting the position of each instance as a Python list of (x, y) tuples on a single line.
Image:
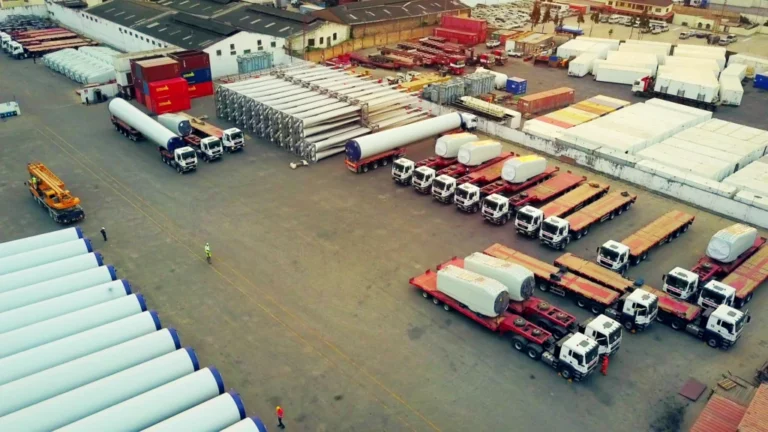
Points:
[(448, 146), (612, 43), (709, 152), (634, 59), (731, 90), (667, 46), (690, 84), (699, 116), (620, 74), (693, 63), (574, 48), (747, 151), (719, 58), (754, 64), (728, 243), (542, 129), (752, 178), (687, 160), (737, 70), (581, 65), (704, 48), (659, 51), (478, 152), (629, 63), (479, 294), (596, 65), (599, 49), (523, 168)]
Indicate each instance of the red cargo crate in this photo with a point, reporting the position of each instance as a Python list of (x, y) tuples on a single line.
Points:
[(158, 69), (471, 25), (139, 95), (546, 101), (167, 104), (170, 87), (458, 36), (191, 60), (201, 89)]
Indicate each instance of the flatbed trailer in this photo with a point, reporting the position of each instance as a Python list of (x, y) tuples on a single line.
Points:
[(529, 219), (231, 139), (709, 269), (499, 210), (526, 337), (543, 314), (47, 37), (557, 232), (748, 276), (468, 187), (373, 162), (450, 178)]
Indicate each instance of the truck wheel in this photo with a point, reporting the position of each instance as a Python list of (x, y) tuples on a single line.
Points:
[(634, 261), (364, 168), (504, 220), (544, 324), (596, 309), (178, 169), (677, 233), (435, 301), (425, 295), (518, 343), (375, 164), (676, 324), (384, 162), (628, 325), (685, 227), (566, 373), (560, 332), (578, 235), (534, 352), (543, 286), (580, 302), (586, 231), (446, 307), (623, 270), (713, 342), (620, 211), (612, 215), (644, 256)]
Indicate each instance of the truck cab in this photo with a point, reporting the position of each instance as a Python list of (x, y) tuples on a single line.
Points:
[(423, 177), (184, 159), (555, 232), (443, 189), (528, 221), (574, 356), (233, 139), (638, 310), (723, 327), (680, 283), (210, 149), (16, 50), (715, 293), (642, 85), (614, 255), (402, 171), (496, 209), (6, 40), (605, 331), (468, 197)]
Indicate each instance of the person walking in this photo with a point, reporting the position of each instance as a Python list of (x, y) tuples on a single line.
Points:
[(103, 232), (280, 413), (604, 366), (208, 253)]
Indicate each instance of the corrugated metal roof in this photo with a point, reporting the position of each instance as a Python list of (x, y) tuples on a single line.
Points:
[(127, 13), (385, 10), (204, 8), (269, 21), (178, 30), (720, 415), (756, 417)]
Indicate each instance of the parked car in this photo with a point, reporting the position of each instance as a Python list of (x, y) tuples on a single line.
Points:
[(492, 43), (727, 39), (701, 35), (512, 53), (645, 30), (604, 19), (656, 30), (684, 35)]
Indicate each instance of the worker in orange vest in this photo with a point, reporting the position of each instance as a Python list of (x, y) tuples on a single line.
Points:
[(279, 412), (604, 366)]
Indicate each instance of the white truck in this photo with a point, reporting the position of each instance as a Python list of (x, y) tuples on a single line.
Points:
[(422, 173)]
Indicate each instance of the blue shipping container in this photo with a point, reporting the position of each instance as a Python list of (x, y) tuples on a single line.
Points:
[(517, 85), (761, 81), (197, 76)]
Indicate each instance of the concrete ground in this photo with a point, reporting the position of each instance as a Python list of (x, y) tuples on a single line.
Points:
[(307, 303)]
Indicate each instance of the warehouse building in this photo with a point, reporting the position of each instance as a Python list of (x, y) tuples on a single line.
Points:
[(377, 17), (656, 9)]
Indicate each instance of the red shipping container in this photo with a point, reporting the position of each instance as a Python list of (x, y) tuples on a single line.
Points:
[(546, 101), (459, 36), (201, 89), (158, 69), (165, 104), (175, 87), (139, 95), (471, 25), (191, 60)]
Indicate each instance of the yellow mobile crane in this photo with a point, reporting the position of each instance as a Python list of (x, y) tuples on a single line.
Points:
[(50, 192)]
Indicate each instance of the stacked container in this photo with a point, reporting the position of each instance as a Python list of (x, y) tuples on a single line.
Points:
[(545, 101), (196, 70), (468, 31), (761, 81), (551, 126), (159, 86), (517, 85)]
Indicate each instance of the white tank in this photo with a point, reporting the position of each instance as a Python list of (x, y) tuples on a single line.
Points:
[(175, 123), (518, 279), (480, 294), (213, 415), (380, 142), (57, 328), (523, 168), (448, 146), (143, 123), (56, 287), (478, 152), (499, 80), (45, 255), (39, 241), (78, 345), (50, 271), (51, 308), (251, 424), (156, 405), (92, 398), (71, 375), (728, 243)]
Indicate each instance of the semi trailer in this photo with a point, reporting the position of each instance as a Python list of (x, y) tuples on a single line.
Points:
[(574, 357), (208, 148), (424, 177), (136, 126), (447, 148), (618, 256), (499, 210), (634, 310), (690, 87), (448, 180), (557, 232), (528, 219), (232, 139)]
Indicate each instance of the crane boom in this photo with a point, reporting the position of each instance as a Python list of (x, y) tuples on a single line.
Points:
[(50, 185)]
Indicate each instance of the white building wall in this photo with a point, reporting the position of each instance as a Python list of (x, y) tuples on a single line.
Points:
[(106, 32), (37, 10), (224, 54), (323, 37)]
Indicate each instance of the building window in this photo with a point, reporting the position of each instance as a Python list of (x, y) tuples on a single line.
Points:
[(246, 52), (273, 44), (232, 47), (334, 36), (321, 40), (233, 53), (258, 43), (218, 53), (261, 48), (311, 42)]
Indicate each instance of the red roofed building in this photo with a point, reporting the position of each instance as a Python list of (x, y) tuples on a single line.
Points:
[(756, 417), (724, 415), (657, 9)]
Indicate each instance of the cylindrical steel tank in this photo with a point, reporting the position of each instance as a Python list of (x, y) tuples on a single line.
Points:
[(14, 247), (478, 152), (58, 306), (50, 271), (45, 255), (251, 424), (175, 123), (66, 325), (78, 345), (143, 123), (68, 376), (155, 405), (370, 145), (97, 396), (213, 415), (56, 287)]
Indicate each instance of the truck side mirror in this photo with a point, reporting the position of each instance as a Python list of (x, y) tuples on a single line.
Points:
[(663, 277), (597, 250)]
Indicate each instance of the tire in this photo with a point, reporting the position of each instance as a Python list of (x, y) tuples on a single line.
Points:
[(620, 211), (543, 286), (424, 294), (560, 332), (435, 301), (504, 220), (364, 168), (384, 162), (581, 303), (375, 164), (677, 324), (747, 299), (544, 324), (628, 325), (596, 309), (612, 216), (578, 235), (178, 169), (566, 373), (713, 342), (586, 231), (677, 234), (685, 228), (446, 307), (644, 256), (518, 343), (534, 352)]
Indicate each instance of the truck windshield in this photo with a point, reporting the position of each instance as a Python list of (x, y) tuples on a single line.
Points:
[(549, 227), (524, 217), (440, 185), (462, 193), (614, 336), (676, 282), (418, 175), (399, 168), (712, 297), (609, 254), (188, 155), (491, 204), (214, 145), (237, 136)]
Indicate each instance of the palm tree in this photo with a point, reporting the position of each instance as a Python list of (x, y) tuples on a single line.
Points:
[(535, 14), (595, 18)]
